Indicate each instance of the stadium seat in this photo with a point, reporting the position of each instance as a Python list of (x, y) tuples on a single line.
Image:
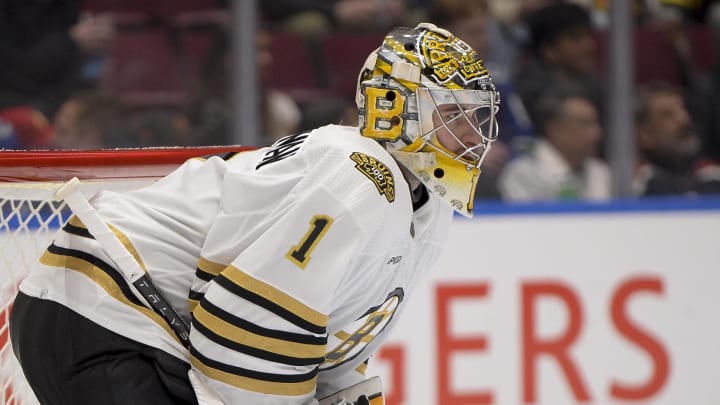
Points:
[(343, 54), (144, 68), (102, 6), (702, 48), (654, 56), (293, 69), (154, 8), (201, 19), (195, 43), (185, 6)]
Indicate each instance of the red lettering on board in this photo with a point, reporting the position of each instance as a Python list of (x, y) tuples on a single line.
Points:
[(447, 344)]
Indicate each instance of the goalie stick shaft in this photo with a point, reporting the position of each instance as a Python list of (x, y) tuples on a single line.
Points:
[(125, 262)]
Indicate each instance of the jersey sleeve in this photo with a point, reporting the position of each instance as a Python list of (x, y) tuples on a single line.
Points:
[(259, 332)]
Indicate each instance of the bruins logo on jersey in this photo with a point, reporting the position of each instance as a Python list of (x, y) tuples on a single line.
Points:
[(349, 343), (377, 172)]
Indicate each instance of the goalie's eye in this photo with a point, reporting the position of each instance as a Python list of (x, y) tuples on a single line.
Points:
[(449, 114)]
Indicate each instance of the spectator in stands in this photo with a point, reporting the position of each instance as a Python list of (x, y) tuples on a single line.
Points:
[(8, 136), (562, 52), (669, 146), (43, 45), (153, 127), (209, 106), (316, 17), (332, 110), (91, 120), (678, 21), (704, 89), (24, 128), (469, 19), (563, 162)]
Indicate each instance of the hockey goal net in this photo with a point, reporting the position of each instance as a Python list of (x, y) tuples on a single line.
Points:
[(30, 216)]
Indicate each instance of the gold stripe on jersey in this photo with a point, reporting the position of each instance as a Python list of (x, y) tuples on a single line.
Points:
[(343, 336), (105, 281), (270, 344), (275, 296), (128, 245), (76, 222), (264, 383), (362, 368), (209, 267), (192, 304), (206, 270)]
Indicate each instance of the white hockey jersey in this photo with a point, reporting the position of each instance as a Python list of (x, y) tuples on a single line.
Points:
[(291, 261)]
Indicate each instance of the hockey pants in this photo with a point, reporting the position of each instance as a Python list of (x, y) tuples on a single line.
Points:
[(69, 360)]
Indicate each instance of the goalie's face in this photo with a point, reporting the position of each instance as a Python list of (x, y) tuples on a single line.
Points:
[(427, 97), (458, 123)]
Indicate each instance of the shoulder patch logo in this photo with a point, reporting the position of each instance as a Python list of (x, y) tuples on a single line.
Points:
[(377, 172), (283, 148)]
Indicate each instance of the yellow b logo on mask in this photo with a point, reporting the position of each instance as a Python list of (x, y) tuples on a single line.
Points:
[(383, 119)]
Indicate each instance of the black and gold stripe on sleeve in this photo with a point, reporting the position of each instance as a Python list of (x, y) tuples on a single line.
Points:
[(246, 337), (272, 299), (206, 271), (76, 227), (255, 381), (104, 275), (281, 349)]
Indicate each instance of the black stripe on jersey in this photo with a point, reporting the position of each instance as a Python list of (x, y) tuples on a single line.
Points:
[(106, 268), (78, 231), (253, 351), (195, 296), (259, 330), (257, 375), (203, 275), (270, 306)]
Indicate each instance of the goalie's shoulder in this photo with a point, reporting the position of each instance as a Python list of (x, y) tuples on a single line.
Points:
[(360, 161), (336, 141), (325, 146), (355, 171)]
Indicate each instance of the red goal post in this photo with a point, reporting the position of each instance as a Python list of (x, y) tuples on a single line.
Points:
[(29, 216)]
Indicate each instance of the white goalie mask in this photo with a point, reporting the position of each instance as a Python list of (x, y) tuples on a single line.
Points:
[(427, 97)]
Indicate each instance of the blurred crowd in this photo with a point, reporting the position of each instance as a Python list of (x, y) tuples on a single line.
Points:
[(90, 74)]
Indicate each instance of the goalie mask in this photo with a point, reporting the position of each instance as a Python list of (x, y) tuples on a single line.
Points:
[(427, 97)]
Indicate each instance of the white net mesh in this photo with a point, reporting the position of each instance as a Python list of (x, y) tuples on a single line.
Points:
[(29, 219), (26, 227), (30, 216)]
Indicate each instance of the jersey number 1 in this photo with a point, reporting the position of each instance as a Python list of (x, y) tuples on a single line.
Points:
[(300, 253)]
